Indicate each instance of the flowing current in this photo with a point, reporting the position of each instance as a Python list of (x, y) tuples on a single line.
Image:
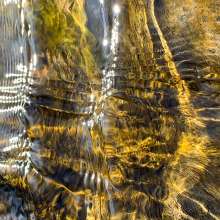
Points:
[(109, 109)]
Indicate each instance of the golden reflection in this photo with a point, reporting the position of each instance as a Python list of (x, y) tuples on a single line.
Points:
[(120, 116)]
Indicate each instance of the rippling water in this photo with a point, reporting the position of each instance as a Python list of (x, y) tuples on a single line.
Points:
[(109, 109)]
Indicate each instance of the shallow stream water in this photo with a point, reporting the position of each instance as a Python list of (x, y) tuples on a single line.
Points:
[(109, 109)]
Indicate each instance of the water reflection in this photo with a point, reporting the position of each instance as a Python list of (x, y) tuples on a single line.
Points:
[(109, 110)]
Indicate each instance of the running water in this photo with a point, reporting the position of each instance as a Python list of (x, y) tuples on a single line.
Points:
[(109, 109)]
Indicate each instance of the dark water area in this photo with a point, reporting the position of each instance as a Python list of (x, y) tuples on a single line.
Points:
[(109, 110)]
